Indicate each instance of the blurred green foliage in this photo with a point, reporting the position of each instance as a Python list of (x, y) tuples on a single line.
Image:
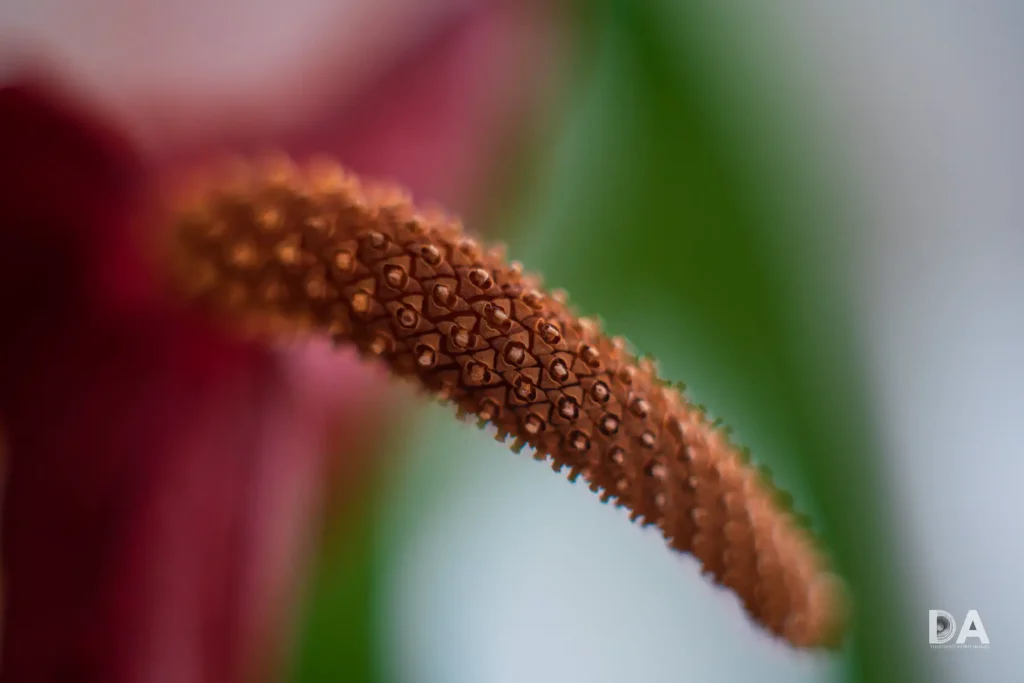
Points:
[(337, 638), (691, 224)]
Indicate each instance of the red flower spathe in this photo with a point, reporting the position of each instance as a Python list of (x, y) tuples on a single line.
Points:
[(140, 441)]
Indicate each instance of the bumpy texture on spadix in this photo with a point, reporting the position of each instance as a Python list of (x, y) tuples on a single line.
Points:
[(318, 250)]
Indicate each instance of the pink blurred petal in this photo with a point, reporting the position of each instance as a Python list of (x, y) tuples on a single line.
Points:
[(178, 70), (433, 114)]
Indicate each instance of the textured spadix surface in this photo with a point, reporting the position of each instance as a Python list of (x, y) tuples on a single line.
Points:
[(282, 250)]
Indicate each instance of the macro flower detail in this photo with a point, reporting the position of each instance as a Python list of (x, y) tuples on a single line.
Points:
[(284, 250)]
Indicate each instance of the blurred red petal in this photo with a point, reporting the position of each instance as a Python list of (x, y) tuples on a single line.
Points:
[(65, 195), (138, 440)]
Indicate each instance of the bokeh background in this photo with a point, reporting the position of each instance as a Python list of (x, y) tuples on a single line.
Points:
[(809, 212)]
